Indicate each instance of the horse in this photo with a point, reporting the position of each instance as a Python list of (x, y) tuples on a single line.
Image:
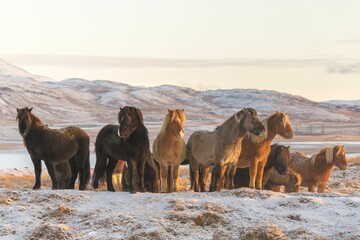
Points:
[(151, 176), (257, 148), (315, 171), (273, 180), (278, 158), (221, 146), (62, 174), (169, 149), (55, 146), (129, 141)]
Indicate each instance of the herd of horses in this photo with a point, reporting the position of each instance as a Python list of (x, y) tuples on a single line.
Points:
[(238, 153)]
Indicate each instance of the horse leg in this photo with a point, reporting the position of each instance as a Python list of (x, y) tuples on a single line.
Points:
[(100, 168), (109, 172), (218, 176), (194, 170), (51, 171), (176, 178), (321, 187), (253, 172), (141, 172), (231, 176), (132, 175), (259, 175), (203, 178), (37, 169), (191, 178), (163, 176), (74, 173), (170, 179), (311, 188)]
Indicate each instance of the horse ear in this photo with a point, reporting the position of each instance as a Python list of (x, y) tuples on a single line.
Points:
[(169, 110), (183, 110), (121, 108), (18, 110), (30, 109), (238, 117)]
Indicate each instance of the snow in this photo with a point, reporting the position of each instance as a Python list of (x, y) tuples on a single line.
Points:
[(185, 215)]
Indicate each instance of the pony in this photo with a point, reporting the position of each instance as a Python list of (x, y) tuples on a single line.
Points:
[(257, 148), (278, 158), (221, 147), (129, 141), (315, 171), (169, 149), (151, 176), (55, 146), (62, 174), (273, 180)]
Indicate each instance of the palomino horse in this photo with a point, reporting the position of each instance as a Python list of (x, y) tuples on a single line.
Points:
[(169, 149), (279, 158), (221, 146), (257, 148), (129, 141), (315, 171), (55, 146)]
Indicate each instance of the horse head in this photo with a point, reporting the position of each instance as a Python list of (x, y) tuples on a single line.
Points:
[(249, 120), (294, 183), (24, 120), (174, 121), (284, 128), (129, 118), (280, 157), (339, 157)]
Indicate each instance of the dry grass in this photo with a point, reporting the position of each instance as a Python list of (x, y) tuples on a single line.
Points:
[(26, 181), (354, 159)]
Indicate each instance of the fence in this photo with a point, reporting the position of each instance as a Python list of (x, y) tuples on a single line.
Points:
[(327, 129)]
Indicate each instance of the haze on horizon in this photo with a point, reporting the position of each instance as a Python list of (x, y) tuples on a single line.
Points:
[(307, 48)]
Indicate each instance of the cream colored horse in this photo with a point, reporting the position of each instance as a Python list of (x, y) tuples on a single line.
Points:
[(169, 149)]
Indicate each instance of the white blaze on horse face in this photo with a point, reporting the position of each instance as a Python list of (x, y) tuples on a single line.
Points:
[(181, 134)]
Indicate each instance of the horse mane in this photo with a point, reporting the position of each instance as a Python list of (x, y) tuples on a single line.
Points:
[(260, 138), (329, 155), (37, 121), (171, 116)]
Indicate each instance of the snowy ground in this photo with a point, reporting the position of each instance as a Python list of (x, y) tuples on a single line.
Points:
[(241, 213)]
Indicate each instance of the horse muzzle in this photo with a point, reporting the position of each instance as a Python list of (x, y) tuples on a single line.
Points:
[(344, 167)]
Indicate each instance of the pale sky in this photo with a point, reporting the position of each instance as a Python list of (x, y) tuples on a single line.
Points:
[(308, 48)]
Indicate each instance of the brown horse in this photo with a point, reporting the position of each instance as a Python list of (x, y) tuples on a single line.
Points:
[(55, 146), (315, 171), (221, 146), (257, 148), (169, 149), (273, 180)]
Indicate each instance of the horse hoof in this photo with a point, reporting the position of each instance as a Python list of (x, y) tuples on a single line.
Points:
[(133, 191), (36, 187)]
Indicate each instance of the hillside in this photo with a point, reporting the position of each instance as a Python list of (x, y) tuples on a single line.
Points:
[(78, 101)]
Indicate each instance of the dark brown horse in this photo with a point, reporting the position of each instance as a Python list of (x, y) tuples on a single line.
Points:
[(128, 141), (55, 146), (278, 158)]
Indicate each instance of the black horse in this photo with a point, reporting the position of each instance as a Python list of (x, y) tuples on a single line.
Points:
[(129, 141), (55, 147), (279, 158)]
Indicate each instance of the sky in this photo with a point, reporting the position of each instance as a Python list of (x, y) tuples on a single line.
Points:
[(308, 48)]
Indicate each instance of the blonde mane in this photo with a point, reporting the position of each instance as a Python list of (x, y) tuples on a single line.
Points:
[(329, 154), (176, 114)]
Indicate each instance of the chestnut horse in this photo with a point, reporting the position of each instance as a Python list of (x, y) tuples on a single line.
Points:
[(257, 148), (221, 146), (169, 149), (315, 171), (55, 146)]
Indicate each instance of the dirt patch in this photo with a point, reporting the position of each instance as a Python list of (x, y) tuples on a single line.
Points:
[(267, 232), (50, 231), (61, 211), (209, 219)]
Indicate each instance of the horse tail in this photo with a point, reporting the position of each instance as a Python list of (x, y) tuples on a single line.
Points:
[(87, 169)]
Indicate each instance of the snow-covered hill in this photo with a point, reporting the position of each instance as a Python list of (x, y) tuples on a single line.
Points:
[(78, 101)]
